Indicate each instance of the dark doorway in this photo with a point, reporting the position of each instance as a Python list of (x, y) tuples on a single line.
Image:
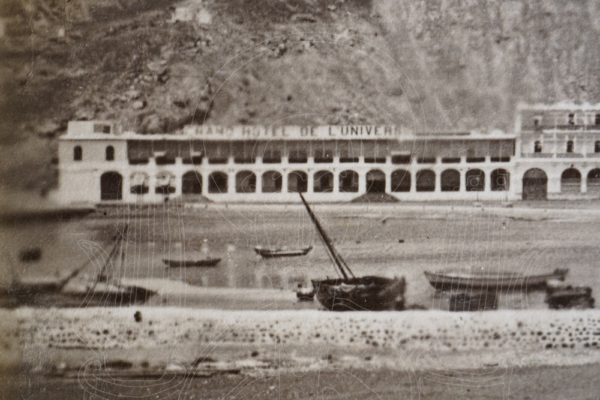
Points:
[(111, 186), (375, 181), (535, 185)]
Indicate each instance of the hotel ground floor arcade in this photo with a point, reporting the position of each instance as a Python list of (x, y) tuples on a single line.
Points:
[(280, 183)]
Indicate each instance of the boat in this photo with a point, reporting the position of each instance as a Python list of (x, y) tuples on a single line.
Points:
[(458, 280), (281, 252), (103, 291), (201, 262), (349, 292), (561, 295), (474, 301), (305, 294)]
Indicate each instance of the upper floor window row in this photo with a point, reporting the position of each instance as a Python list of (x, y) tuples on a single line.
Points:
[(570, 120), (109, 153)]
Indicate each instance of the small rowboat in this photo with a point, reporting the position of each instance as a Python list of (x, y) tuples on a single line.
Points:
[(456, 280), (366, 293), (282, 252), (203, 262)]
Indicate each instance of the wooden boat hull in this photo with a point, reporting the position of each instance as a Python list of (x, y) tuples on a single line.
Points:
[(207, 262), (268, 253), (473, 301), (368, 293), (123, 296), (508, 281)]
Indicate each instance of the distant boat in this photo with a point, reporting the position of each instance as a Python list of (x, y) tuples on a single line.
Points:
[(371, 293), (456, 280), (281, 252), (201, 262), (104, 291)]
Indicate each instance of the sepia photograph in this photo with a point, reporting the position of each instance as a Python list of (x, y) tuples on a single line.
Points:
[(299, 199)]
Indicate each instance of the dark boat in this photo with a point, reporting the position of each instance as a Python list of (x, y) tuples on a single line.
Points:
[(512, 281), (561, 295), (282, 252), (370, 293), (202, 262), (474, 301), (104, 291)]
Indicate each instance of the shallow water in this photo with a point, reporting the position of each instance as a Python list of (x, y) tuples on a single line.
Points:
[(367, 238)]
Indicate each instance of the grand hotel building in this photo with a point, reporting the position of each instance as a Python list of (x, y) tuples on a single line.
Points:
[(553, 153)]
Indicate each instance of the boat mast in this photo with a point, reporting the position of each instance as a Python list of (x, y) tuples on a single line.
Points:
[(338, 260)]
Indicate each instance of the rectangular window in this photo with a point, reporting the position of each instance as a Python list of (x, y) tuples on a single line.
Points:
[(597, 119), (323, 156), (537, 121), (165, 160), (401, 159), (571, 119), (101, 128), (375, 160), (570, 146), (537, 147), (426, 160), (475, 159), (297, 153), (217, 160), (500, 159), (272, 156), (450, 160)]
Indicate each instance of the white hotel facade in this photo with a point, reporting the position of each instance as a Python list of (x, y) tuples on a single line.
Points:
[(553, 153)]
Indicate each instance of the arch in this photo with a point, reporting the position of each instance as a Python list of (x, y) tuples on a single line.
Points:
[(323, 182), (593, 181), (165, 183), (425, 180), (271, 182), (217, 182), (535, 184), (297, 182), (245, 182), (348, 181), (401, 180), (109, 153), (111, 186), (375, 181), (570, 181), (475, 180), (139, 183), (450, 180), (77, 153), (500, 180), (191, 183)]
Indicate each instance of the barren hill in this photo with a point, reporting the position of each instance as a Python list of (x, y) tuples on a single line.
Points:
[(156, 65)]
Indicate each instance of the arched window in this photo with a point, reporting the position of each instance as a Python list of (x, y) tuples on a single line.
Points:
[(348, 181), (191, 183), (537, 147), (323, 182), (425, 181), (217, 182), (77, 153), (401, 180), (375, 181), (245, 182), (535, 184), (570, 146), (593, 181), (297, 182), (475, 180), (271, 182), (570, 181), (500, 180), (450, 180), (110, 153)]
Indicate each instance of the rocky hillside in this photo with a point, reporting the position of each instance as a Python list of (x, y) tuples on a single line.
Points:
[(156, 65)]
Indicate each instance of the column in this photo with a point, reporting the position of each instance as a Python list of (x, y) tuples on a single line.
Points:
[(178, 176), (438, 181), (413, 180), (584, 182), (258, 181), (487, 184), (388, 182), (230, 181), (362, 183), (336, 182), (310, 181), (284, 182)]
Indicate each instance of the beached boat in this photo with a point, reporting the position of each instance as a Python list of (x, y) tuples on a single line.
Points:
[(371, 293), (458, 280), (202, 262), (473, 301), (562, 295), (103, 291), (281, 252)]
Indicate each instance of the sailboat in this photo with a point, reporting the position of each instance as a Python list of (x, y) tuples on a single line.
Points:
[(205, 261), (348, 293)]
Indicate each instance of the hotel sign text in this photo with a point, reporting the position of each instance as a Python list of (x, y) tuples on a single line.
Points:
[(293, 132)]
